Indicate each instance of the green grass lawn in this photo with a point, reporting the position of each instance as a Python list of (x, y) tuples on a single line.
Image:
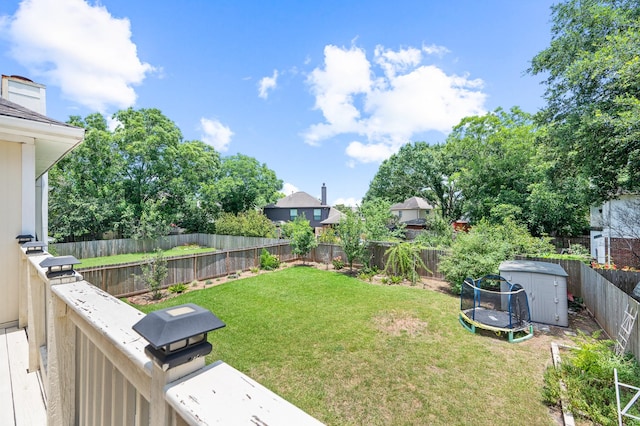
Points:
[(93, 262), (353, 353)]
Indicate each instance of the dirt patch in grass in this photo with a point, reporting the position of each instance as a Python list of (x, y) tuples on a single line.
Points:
[(399, 323)]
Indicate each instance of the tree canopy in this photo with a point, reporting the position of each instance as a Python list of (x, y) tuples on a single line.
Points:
[(592, 69), (142, 179)]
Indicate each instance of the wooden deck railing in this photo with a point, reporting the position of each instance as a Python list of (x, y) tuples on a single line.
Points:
[(95, 370)]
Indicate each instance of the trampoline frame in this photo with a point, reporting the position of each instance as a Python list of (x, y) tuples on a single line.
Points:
[(472, 324)]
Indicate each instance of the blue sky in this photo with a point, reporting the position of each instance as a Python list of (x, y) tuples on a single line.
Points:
[(320, 91)]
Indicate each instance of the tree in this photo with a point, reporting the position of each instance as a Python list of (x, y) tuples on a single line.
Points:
[(379, 223), (245, 184), (148, 143), (154, 271), (350, 230), (302, 237), (593, 93), (493, 160), (86, 192), (419, 170)]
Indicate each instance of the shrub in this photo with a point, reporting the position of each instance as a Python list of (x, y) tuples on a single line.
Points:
[(587, 374), (177, 288), (403, 260), (480, 251), (268, 261), (337, 263), (328, 236)]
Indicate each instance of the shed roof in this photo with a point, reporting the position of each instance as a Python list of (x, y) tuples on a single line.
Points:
[(532, 266)]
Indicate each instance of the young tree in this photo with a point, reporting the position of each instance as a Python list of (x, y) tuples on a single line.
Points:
[(302, 237), (350, 230), (154, 271)]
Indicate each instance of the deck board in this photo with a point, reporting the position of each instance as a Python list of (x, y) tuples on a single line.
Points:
[(6, 400), (25, 391)]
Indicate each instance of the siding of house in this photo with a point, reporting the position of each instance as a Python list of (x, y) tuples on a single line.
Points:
[(283, 214), (11, 224)]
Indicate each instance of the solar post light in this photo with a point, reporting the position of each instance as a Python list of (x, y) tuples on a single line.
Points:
[(178, 334), (34, 247), (23, 238), (59, 266)]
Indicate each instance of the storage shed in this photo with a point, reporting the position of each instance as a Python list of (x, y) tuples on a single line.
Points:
[(546, 287)]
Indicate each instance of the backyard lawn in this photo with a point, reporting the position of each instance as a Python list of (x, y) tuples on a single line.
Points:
[(353, 353)]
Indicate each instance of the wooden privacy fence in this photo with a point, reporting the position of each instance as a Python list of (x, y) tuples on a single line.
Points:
[(120, 280), (607, 303), (99, 248)]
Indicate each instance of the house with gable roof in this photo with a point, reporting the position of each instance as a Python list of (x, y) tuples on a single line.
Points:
[(317, 212), (30, 144), (413, 212)]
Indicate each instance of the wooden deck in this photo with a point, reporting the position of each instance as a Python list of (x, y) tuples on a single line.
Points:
[(21, 394)]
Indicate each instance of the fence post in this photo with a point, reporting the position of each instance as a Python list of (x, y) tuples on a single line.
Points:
[(35, 317), (61, 344)]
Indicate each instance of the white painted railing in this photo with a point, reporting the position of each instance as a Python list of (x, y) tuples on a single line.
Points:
[(95, 370)]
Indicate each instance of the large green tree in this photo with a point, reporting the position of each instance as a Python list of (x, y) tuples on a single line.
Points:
[(86, 196), (245, 184), (135, 181), (592, 69), (493, 157), (421, 170)]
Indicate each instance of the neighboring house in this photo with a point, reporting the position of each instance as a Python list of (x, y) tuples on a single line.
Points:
[(30, 143), (615, 231), (413, 212), (317, 212)]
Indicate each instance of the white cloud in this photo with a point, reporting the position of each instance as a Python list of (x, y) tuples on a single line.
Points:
[(288, 189), (435, 50), (369, 153), (404, 98), (266, 84), (216, 134), (80, 48)]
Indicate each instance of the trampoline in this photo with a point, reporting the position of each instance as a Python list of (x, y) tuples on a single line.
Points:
[(493, 303)]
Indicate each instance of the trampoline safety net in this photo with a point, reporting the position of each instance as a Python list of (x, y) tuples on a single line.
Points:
[(494, 302)]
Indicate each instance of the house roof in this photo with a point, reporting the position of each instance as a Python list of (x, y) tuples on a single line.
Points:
[(11, 109), (52, 139), (298, 199), (334, 217), (413, 203)]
